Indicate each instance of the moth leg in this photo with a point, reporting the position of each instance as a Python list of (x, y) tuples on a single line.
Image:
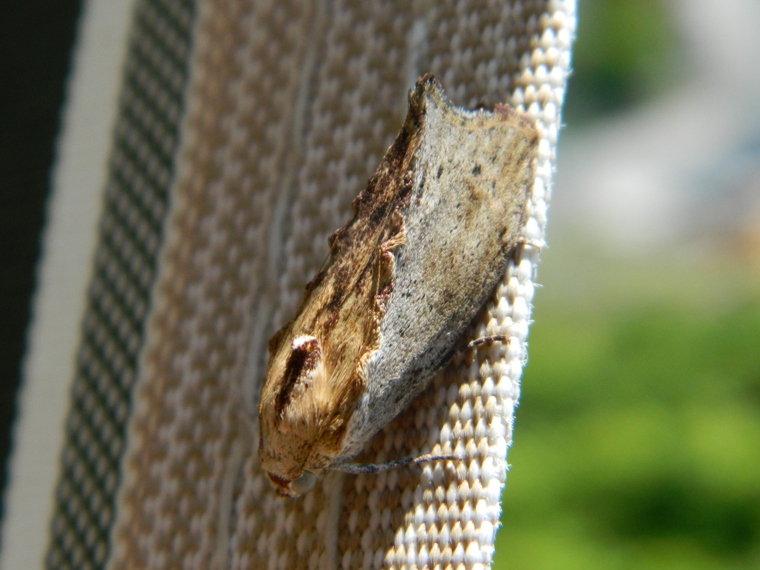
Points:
[(386, 262), (535, 244), (397, 236), (358, 468), (502, 338)]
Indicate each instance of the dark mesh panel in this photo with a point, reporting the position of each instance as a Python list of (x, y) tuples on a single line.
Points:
[(136, 200)]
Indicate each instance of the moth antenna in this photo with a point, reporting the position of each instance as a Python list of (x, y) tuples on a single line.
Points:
[(359, 468)]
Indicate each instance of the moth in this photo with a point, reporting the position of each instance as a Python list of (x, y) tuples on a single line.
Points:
[(429, 241)]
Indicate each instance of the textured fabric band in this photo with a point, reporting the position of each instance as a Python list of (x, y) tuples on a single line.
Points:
[(288, 109)]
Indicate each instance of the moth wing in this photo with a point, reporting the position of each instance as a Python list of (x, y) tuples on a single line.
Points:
[(470, 190)]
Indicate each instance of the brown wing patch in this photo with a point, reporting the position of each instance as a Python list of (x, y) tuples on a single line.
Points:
[(305, 356)]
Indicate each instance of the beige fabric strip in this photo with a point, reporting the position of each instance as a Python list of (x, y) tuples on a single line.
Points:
[(290, 109)]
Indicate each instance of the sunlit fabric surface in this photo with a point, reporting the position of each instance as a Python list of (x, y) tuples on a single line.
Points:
[(280, 112)]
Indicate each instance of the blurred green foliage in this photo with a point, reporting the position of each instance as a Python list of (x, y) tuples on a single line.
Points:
[(637, 440), (625, 52)]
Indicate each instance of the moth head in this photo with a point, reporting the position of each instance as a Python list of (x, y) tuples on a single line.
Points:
[(300, 423), (294, 488)]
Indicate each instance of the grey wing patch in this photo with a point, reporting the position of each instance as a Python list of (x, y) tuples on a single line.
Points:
[(472, 177)]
